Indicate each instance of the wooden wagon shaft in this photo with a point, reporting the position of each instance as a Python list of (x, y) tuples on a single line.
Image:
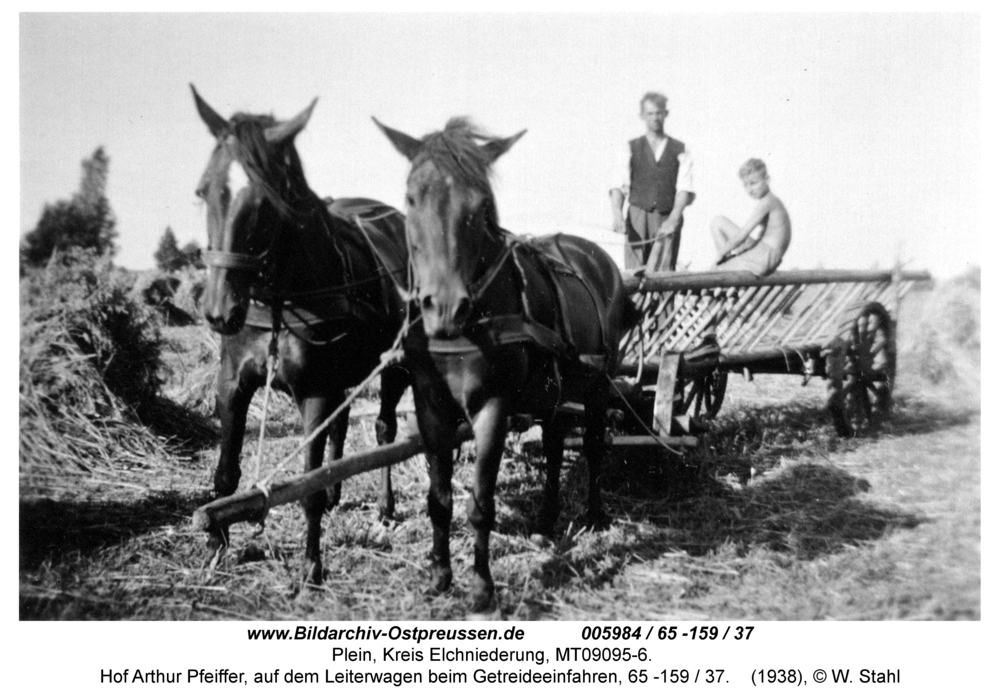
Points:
[(252, 504)]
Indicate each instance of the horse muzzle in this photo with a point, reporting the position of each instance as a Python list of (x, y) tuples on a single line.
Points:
[(445, 318)]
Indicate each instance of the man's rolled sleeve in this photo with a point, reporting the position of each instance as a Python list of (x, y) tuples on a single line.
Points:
[(685, 172)]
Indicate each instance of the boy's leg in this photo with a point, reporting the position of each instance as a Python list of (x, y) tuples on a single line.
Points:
[(723, 231)]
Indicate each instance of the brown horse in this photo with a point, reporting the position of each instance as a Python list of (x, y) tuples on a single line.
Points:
[(297, 278), (509, 327)]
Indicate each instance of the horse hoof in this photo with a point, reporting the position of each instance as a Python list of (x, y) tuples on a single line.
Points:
[(312, 576), (440, 580), (599, 521), (484, 602)]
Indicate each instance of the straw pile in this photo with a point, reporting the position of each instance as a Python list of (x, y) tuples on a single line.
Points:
[(90, 358), (939, 340)]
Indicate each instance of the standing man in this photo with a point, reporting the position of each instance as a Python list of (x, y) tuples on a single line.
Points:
[(658, 187)]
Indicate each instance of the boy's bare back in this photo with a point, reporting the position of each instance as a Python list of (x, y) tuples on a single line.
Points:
[(773, 216)]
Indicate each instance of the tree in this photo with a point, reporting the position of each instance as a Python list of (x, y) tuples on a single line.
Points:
[(168, 257), (84, 221)]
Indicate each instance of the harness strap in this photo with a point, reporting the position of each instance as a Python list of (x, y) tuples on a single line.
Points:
[(478, 287), (292, 315), (499, 330)]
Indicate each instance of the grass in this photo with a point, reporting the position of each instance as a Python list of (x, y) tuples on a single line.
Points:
[(773, 517)]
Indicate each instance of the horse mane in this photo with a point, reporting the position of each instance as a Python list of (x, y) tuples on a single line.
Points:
[(281, 179), (456, 150)]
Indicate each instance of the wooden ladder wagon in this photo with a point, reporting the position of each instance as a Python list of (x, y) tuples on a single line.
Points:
[(697, 327)]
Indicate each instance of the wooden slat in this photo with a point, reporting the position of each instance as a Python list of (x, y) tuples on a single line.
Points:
[(666, 383), (749, 302), (775, 313), (825, 326), (814, 307), (732, 330)]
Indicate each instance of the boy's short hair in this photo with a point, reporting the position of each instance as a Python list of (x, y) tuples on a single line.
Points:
[(656, 98), (752, 165)]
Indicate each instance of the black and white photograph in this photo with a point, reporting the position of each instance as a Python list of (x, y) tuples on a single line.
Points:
[(500, 316)]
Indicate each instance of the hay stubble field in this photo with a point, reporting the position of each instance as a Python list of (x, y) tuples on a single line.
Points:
[(774, 517)]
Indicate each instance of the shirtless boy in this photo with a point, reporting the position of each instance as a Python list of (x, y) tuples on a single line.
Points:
[(760, 244)]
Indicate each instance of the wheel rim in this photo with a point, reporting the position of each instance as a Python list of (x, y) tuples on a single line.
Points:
[(703, 395), (869, 369)]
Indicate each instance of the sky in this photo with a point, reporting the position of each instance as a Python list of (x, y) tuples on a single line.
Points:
[(869, 123)]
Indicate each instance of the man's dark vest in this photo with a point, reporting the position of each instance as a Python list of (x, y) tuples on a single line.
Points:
[(653, 184)]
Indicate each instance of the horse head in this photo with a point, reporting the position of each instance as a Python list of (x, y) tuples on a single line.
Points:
[(245, 187), (450, 218)]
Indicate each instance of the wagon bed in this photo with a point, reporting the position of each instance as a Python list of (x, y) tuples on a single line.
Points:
[(699, 326)]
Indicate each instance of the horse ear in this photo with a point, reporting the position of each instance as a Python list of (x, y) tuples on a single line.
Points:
[(283, 133), (407, 145), (498, 146), (217, 126)]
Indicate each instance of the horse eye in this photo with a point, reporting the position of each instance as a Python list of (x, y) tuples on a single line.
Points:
[(409, 201), (202, 191)]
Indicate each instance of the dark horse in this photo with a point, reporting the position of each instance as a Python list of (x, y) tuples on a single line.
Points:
[(509, 327), (284, 266)]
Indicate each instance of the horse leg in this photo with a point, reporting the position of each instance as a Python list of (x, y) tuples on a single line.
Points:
[(439, 441), (491, 431), (394, 383), (314, 411), (338, 436), (231, 403), (595, 448), (553, 435)]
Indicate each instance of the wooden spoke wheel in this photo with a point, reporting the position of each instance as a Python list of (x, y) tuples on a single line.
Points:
[(861, 367), (702, 396)]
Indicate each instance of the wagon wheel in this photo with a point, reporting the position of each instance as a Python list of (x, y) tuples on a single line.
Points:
[(702, 395), (861, 367)]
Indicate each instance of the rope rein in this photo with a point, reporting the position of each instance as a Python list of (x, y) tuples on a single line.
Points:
[(393, 355)]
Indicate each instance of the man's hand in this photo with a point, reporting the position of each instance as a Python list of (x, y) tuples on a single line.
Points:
[(619, 224), (668, 227)]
